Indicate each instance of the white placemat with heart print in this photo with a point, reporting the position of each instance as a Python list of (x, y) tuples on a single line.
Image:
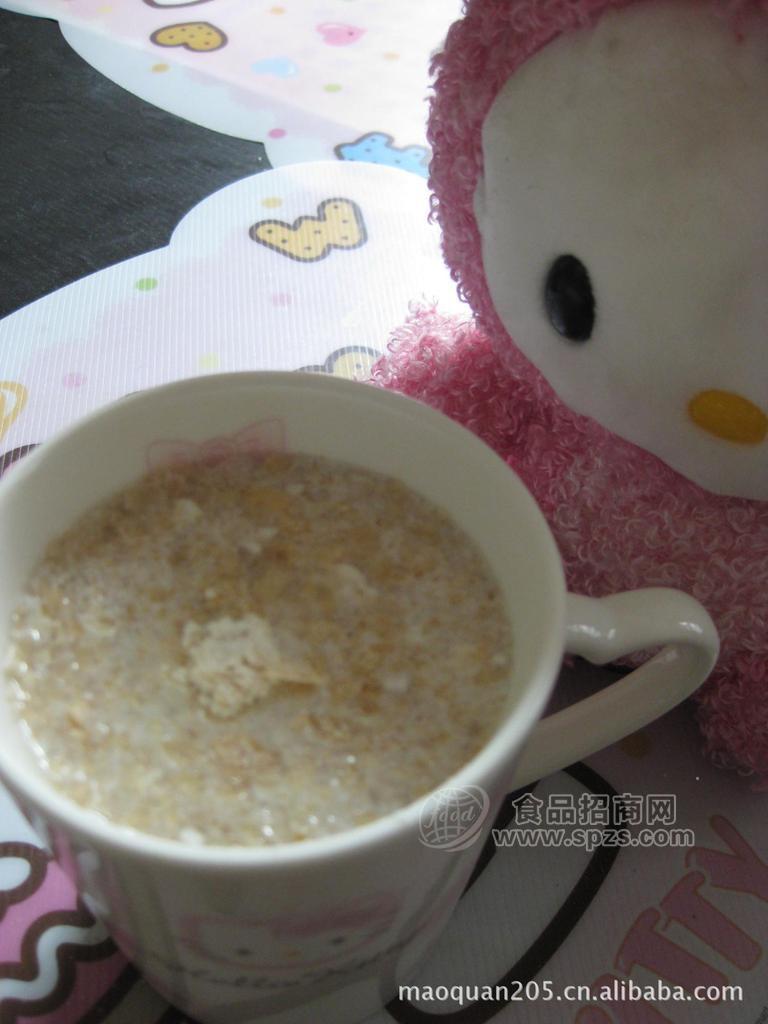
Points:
[(312, 80)]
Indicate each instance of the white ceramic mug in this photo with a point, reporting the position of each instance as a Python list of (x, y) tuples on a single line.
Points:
[(324, 930)]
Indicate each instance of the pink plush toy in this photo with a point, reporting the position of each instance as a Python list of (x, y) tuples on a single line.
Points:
[(600, 174)]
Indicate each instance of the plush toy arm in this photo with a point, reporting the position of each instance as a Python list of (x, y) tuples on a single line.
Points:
[(448, 362)]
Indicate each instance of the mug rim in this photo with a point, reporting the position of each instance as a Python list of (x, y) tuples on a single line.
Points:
[(509, 735)]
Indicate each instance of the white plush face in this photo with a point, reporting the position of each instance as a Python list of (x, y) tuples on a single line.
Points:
[(640, 147)]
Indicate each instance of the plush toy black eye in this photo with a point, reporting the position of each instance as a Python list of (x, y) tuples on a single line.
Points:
[(569, 299)]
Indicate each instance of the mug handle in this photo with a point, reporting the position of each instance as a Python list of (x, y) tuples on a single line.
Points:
[(607, 628)]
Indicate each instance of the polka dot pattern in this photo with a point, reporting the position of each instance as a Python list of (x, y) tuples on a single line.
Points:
[(209, 361), (146, 284)]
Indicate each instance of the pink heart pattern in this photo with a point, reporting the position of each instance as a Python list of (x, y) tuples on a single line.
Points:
[(337, 34)]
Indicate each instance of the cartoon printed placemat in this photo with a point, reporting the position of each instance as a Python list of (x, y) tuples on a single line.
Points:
[(309, 265), (326, 79)]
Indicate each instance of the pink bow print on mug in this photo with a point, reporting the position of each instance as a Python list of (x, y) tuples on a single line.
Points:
[(262, 438)]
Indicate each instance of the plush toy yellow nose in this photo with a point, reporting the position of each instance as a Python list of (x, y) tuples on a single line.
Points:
[(729, 416)]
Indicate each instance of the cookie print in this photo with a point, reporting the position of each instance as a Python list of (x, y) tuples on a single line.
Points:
[(13, 398), (199, 36), (352, 361), (379, 148), (339, 224)]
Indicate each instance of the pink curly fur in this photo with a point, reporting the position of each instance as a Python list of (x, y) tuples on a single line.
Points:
[(622, 518)]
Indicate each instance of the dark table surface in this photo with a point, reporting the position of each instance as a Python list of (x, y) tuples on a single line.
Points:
[(90, 175)]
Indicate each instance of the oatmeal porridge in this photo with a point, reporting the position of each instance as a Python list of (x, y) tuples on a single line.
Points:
[(258, 651)]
